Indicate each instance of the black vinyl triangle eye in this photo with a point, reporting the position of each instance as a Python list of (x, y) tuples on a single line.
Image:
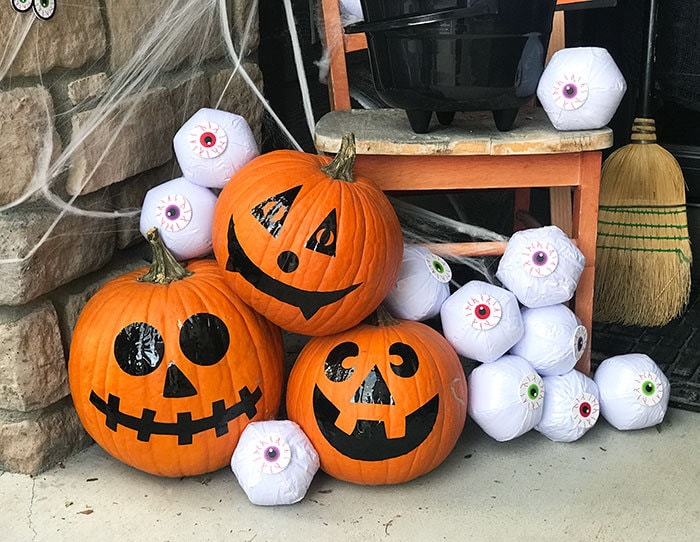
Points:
[(323, 240), (272, 212)]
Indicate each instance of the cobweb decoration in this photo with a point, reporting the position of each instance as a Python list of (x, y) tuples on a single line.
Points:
[(199, 26)]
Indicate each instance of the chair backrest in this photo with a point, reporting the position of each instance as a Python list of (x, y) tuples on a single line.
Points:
[(339, 44)]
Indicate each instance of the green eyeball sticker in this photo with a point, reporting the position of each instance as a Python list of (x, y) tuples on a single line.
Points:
[(22, 5), (585, 410), (648, 388), (438, 268), (580, 341), (532, 391)]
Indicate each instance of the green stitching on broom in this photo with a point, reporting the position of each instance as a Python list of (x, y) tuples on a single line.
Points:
[(642, 224), (681, 256)]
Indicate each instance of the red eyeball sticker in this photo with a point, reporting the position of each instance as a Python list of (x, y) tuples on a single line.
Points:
[(483, 312), (439, 269), (570, 92), (208, 140), (585, 410), (271, 454), (173, 212), (532, 391), (648, 388), (540, 259)]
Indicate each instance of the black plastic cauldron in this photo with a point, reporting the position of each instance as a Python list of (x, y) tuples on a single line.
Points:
[(446, 56)]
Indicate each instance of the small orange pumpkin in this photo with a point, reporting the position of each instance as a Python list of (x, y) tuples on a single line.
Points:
[(167, 367), (382, 404), (304, 242)]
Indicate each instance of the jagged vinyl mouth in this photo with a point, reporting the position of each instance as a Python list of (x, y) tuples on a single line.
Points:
[(185, 427), (309, 303), (368, 440)]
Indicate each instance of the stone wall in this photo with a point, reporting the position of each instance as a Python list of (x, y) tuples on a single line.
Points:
[(52, 261)]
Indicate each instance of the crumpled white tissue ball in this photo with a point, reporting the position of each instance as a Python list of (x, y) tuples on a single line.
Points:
[(634, 391), (553, 339), (581, 88), (183, 214), (274, 462), (212, 145), (481, 321), (422, 286), (505, 397), (571, 407), (541, 266)]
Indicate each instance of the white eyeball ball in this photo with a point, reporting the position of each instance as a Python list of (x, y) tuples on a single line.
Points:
[(213, 145), (541, 266), (581, 88), (634, 391), (553, 339), (183, 214), (481, 321), (505, 397), (274, 462), (570, 408), (422, 286)]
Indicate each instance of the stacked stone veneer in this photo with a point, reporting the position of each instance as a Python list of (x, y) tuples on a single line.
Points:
[(63, 66)]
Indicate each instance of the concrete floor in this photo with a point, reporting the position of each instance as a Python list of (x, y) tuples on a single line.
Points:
[(610, 485)]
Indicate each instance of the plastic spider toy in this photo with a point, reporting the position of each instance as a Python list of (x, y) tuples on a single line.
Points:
[(43, 9)]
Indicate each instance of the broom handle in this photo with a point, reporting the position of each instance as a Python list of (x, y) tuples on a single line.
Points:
[(645, 109)]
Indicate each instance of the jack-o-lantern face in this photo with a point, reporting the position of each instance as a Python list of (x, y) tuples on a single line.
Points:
[(165, 377), (381, 404), (312, 253)]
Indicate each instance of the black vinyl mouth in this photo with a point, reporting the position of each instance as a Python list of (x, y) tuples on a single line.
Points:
[(309, 303), (368, 440), (185, 427)]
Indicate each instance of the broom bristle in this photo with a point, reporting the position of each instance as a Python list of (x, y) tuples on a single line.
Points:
[(643, 255)]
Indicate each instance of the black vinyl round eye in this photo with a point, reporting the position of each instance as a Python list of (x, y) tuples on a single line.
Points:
[(204, 339), (409, 365), (335, 372), (139, 349)]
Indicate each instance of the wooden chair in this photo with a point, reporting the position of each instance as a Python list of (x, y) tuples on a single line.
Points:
[(472, 154)]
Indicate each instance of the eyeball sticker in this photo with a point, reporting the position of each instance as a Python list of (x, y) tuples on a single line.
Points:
[(438, 268), (271, 454), (580, 341), (648, 388), (570, 92), (208, 140), (43, 9), (532, 391), (540, 259), (585, 410), (174, 212), (483, 312)]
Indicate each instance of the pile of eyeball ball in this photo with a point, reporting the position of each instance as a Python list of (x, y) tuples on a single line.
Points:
[(210, 147), (527, 342)]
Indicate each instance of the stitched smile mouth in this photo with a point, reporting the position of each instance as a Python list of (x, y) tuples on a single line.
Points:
[(185, 427), (309, 303), (368, 441)]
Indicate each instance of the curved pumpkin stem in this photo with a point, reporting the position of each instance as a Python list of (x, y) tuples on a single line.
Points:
[(340, 168), (381, 318), (164, 268)]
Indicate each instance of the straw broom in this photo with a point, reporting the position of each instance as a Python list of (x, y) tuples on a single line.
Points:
[(643, 258)]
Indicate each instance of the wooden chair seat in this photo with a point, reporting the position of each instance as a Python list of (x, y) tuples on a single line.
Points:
[(469, 154)]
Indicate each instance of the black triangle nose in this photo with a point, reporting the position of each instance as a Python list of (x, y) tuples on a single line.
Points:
[(177, 384), (373, 390)]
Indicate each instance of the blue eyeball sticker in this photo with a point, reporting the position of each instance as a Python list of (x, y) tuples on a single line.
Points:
[(43, 9)]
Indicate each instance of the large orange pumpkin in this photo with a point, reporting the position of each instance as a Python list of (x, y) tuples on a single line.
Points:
[(306, 244), (382, 404), (167, 368)]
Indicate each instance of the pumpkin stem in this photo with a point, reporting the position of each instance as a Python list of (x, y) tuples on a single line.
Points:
[(340, 168), (381, 317), (164, 268)]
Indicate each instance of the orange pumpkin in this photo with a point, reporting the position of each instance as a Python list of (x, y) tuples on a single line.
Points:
[(382, 404), (167, 368), (306, 244)]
